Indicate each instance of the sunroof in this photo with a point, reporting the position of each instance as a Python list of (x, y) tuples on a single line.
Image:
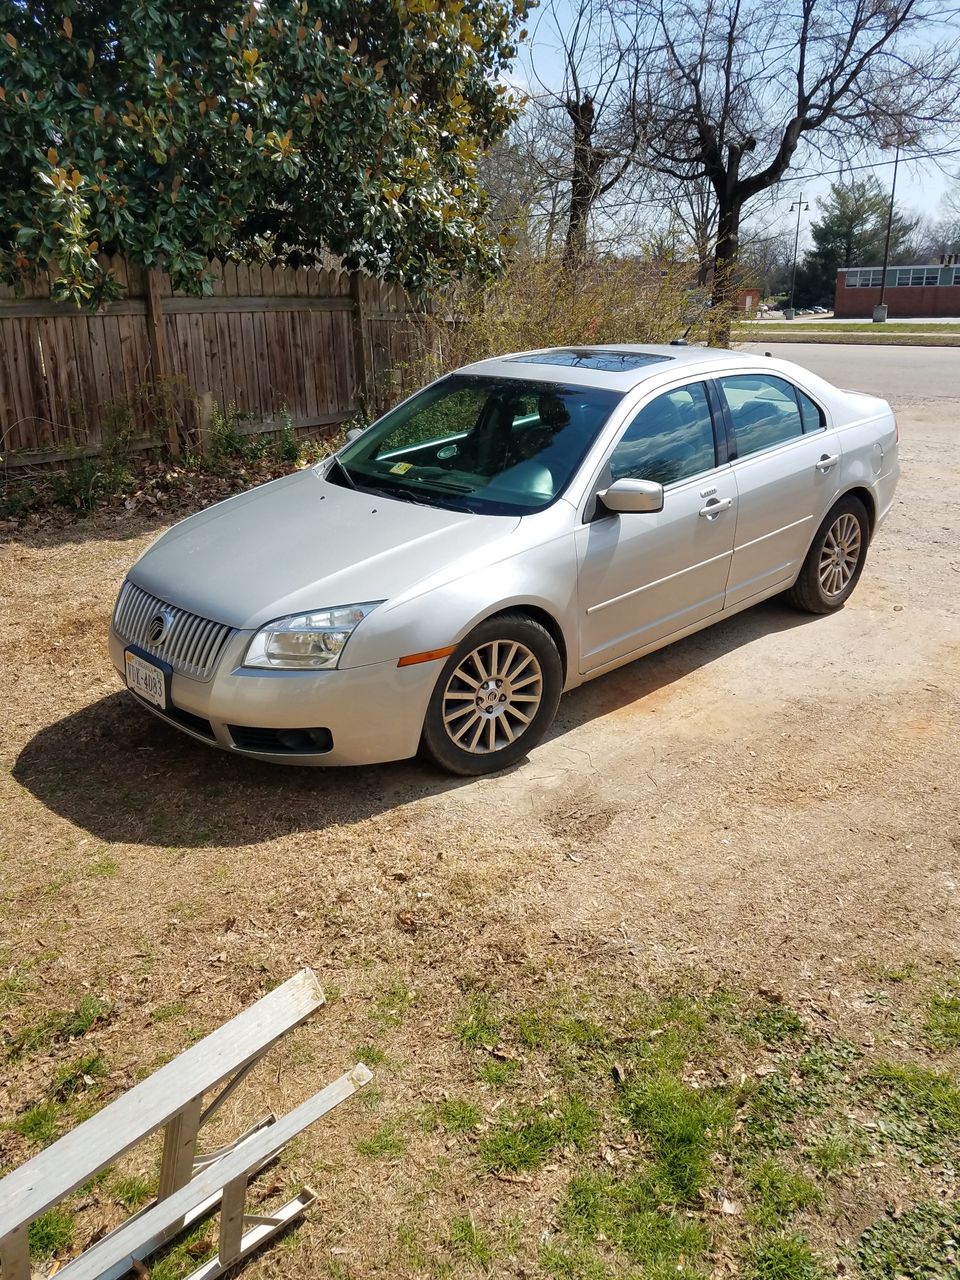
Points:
[(593, 358)]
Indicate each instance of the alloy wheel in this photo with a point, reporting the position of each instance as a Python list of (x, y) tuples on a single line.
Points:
[(492, 696), (839, 555)]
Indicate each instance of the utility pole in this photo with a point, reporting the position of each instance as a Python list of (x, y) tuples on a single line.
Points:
[(800, 208), (880, 311)]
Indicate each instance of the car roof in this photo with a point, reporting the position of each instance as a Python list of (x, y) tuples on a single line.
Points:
[(597, 366)]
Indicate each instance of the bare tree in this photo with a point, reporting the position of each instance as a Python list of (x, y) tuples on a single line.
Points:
[(731, 90), (943, 233), (597, 95)]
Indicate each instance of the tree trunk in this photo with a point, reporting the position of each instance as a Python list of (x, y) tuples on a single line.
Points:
[(725, 281), (583, 180)]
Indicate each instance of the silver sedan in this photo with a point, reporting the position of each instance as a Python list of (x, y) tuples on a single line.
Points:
[(507, 533)]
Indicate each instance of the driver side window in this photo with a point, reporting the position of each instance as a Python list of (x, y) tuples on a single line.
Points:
[(670, 439)]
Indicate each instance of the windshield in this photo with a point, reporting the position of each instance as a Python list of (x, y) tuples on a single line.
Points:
[(497, 446)]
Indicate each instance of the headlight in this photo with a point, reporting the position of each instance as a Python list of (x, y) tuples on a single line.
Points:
[(307, 639)]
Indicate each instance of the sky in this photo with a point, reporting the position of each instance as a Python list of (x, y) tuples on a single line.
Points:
[(920, 184)]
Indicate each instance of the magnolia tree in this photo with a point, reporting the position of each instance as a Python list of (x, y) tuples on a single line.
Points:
[(279, 129)]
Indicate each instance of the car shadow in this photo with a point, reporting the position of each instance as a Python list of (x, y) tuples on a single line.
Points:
[(123, 776)]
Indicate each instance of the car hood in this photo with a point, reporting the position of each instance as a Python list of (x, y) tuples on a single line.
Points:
[(301, 543)]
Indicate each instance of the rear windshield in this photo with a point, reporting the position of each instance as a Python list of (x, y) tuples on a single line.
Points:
[(497, 446)]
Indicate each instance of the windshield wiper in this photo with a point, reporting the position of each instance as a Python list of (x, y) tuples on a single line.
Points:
[(343, 471)]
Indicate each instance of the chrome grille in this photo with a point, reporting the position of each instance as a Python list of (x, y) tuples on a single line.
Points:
[(192, 645)]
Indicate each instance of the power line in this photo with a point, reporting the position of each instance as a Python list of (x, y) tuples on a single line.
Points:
[(809, 176)]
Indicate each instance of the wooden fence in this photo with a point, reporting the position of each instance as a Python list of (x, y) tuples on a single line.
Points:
[(273, 341)]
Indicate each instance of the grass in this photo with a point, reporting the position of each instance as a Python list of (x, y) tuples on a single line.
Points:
[(41, 1124), (393, 1005), (12, 987), (893, 973), (77, 1076), (497, 1072), (369, 1055), (632, 1071), (539, 1017), (386, 1141), (185, 1255), (458, 1115), (51, 1233), (104, 867), (921, 1108), (787, 1257), (479, 1028), (853, 326), (834, 1153), (573, 1263), (683, 1127), (470, 1243), (778, 1193), (59, 1026), (169, 1012), (131, 1191), (942, 1025), (526, 1138), (624, 1211)]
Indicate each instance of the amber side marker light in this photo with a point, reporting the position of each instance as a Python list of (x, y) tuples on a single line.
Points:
[(430, 655)]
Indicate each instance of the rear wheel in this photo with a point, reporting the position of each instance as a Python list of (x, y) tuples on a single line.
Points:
[(835, 560), (496, 697)]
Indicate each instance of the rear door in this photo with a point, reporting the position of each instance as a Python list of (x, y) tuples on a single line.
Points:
[(643, 577), (785, 461)]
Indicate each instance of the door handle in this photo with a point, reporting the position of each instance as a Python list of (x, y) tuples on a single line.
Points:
[(715, 506), (827, 460)]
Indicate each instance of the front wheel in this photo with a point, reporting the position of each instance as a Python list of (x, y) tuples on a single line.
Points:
[(835, 560), (496, 697)]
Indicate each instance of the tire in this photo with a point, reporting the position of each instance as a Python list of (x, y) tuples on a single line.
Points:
[(489, 733), (835, 560)]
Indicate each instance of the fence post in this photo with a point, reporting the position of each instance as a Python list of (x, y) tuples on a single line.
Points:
[(158, 350), (360, 355)]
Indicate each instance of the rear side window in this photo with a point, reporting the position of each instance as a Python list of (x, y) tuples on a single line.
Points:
[(764, 410), (670, 439), (812, 414)]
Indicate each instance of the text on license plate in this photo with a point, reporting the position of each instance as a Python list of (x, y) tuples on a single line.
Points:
[(146, 680)]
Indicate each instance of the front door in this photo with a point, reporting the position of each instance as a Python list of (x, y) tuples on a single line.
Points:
[(644, 577)]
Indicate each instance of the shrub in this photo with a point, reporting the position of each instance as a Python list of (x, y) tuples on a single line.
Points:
[(544, 304)]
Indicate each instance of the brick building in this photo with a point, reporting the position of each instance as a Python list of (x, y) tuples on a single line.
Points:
[(910, 291)]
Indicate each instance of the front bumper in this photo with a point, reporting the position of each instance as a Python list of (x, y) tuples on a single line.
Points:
[(373, 714)]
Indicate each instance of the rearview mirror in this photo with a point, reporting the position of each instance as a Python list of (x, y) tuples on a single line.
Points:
[(632, 496), (353, 433)]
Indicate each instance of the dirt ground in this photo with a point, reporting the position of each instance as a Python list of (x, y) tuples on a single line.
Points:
[(771, 805)]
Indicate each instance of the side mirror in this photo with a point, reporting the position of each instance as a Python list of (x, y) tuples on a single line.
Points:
[(353, 433), (632, 496)]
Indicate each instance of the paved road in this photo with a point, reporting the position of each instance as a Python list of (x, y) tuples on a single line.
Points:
[(902, 375)]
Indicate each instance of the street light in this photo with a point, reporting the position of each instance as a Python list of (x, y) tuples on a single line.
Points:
[(800, 208), (880, 311)]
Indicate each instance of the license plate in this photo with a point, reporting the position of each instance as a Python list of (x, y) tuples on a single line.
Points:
[(146, 680)]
